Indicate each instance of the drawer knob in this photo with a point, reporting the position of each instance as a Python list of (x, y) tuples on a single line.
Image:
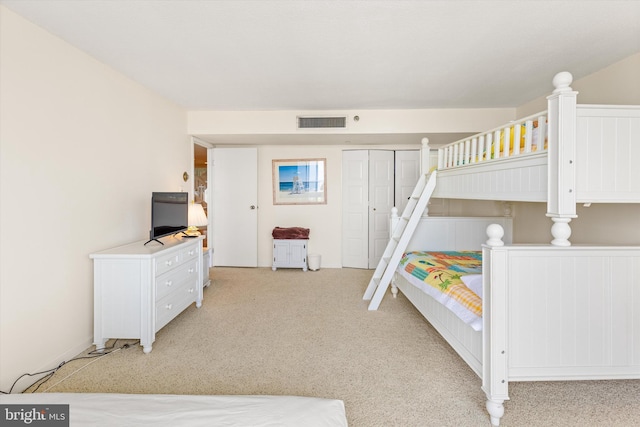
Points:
[(168, 306), (192, 252), (191, 290), (169, 262), (169, 282), (191, 270)]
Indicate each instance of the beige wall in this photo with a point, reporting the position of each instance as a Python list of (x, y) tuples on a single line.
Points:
[(82, 148), (415, 121), (324, 221), (616, 84), (609, 224)]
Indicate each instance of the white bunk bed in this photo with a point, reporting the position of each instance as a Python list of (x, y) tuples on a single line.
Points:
[(549, 312)]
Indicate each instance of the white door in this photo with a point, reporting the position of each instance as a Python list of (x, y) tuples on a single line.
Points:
[(406, 176), (235, 207), (369, 184), (355, 194), (381, 200)]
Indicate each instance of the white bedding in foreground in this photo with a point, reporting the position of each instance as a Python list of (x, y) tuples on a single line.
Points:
[(107, 409)]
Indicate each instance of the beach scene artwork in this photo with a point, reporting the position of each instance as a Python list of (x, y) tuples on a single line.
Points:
[(299, 181)]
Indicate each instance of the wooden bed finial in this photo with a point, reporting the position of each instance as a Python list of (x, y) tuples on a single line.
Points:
[(495, 232), (562, 82)]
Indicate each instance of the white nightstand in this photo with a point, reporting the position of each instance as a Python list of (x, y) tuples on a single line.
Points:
[(207, 255), (289, 253)]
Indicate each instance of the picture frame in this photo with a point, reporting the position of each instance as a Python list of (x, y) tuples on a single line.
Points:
[(299, 181)]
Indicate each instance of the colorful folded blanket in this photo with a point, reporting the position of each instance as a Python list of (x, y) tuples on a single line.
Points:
[(443, 271)]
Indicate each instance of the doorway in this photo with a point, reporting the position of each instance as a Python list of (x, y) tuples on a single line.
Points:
[(200, 183), (235, 206)]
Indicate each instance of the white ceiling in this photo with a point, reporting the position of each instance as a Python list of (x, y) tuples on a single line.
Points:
[(344, 55)]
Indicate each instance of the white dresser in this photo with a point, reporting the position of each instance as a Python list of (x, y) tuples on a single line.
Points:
[(289, 253), (138, 289)]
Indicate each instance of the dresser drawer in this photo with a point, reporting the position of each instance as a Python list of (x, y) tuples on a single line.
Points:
[(173, 279), (174, 303), (190, 253), (167, 262)]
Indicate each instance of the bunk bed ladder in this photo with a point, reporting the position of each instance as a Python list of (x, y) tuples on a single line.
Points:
[(400, 239)]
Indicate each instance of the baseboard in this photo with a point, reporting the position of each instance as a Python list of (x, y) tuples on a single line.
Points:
[(25, 382)]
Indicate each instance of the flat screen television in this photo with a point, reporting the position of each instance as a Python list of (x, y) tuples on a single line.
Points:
[(169, 214)]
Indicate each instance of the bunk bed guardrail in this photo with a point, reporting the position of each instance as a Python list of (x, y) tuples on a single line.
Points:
[(521, 137)]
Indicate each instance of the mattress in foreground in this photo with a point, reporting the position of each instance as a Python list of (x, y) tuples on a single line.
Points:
[(107, 409)]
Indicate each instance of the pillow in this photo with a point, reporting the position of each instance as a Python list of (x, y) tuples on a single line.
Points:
[(473, 282)]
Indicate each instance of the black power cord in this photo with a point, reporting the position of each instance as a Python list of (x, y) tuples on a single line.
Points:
[(50, 372)]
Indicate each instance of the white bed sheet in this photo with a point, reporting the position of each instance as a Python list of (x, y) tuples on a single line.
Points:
[(107, 409), (458, 309)]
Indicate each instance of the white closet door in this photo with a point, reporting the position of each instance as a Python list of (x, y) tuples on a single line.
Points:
[(406, 176), (372, 182), (235, 207), (381, 199), (355, 193)]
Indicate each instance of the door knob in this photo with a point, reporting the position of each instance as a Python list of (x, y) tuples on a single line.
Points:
[(253, 206)]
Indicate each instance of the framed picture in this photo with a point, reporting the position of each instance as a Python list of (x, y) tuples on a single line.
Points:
[(300, 182)]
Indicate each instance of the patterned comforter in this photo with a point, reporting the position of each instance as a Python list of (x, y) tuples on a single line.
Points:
[(439, 275)]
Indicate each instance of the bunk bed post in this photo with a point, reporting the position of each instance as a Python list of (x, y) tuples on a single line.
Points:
[(425, 168), (394, 219), (495, 381), (425, 156), (561, 179)]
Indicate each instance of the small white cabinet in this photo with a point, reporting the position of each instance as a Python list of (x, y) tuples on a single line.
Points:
[(289, 253), (138, 289)]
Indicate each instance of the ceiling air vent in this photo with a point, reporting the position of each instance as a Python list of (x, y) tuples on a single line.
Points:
[(322, 122)]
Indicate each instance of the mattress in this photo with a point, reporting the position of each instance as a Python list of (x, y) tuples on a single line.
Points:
[(441, 275), (107, 409)]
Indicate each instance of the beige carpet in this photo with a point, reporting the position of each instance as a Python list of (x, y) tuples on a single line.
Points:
[(309, 334)]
